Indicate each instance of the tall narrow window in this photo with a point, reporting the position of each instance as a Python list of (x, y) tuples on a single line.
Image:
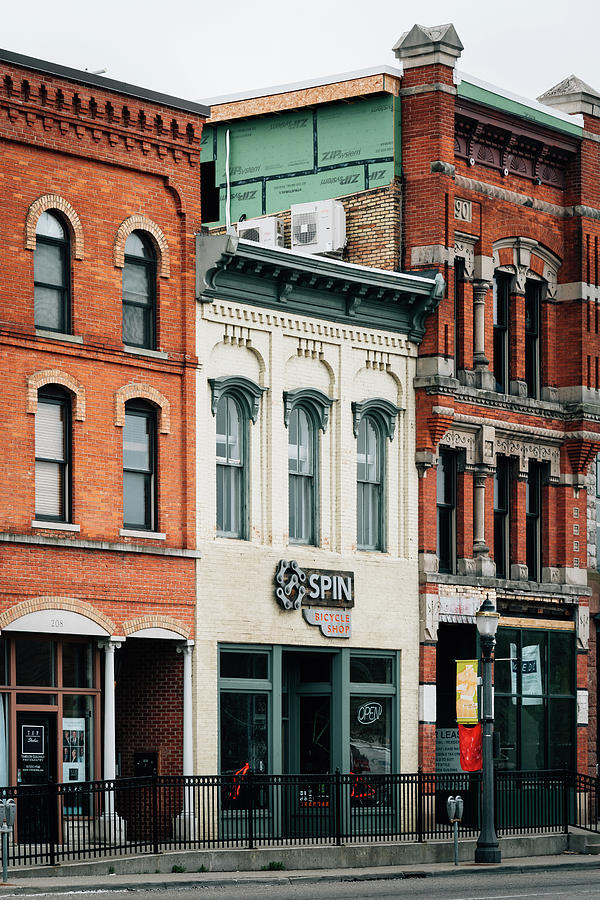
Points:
[(459, 285), (139, 292), (501, 516), (533, 521), (51, 274), (301, 467), (139, 467), (52, 456), (446, 510), (230, 468), (501, 298), (369, 487), (532, 338)]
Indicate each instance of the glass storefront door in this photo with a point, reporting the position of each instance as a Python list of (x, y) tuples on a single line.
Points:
[(36, 767)]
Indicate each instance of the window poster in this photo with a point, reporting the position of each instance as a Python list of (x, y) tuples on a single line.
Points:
[(73, 749)]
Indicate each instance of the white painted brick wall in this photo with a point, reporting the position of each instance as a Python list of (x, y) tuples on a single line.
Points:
[(235, 588)]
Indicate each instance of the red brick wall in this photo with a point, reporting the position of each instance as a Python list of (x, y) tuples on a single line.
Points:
[(110, 157), (149, 720)]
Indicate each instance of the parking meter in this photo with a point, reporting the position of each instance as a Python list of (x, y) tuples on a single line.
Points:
[(8, 811), (455, 807)]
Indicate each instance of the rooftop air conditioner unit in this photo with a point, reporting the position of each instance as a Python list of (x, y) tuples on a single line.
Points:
[(268, 231), (319, 227)]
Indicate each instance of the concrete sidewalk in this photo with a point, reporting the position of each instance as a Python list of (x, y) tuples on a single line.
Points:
[(58, 884)]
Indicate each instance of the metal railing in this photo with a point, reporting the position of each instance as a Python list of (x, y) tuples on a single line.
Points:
[(86, 820)]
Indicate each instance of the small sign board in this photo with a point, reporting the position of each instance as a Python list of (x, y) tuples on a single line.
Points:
[(32, 740)]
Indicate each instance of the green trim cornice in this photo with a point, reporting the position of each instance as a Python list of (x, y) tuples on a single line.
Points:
[(248, 392), (317, 400), (383, 410), (247, 272)]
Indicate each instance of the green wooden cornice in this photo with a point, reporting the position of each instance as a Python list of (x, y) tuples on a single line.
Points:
[(247, 272)]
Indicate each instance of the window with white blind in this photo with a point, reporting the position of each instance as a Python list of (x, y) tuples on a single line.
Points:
[(52, 456), (230, 468), (369, 486), (139, 467)]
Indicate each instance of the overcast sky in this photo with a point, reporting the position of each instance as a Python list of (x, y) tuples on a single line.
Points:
[(198, 49)]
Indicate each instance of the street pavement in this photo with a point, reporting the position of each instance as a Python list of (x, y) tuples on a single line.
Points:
[(569, 875)]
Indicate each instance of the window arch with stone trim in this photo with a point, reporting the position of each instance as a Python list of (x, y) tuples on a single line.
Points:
[(525, 267), (143, 392), (54, 202), (142, 223), (38, 380)]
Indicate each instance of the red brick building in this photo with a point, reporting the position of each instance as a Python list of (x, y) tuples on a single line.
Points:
[(99, 204), (501, 195)]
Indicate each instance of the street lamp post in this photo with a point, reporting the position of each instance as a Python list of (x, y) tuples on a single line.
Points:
[(487, 850)]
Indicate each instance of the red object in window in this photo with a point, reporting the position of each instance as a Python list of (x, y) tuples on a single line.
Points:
[(471, 752), (238, 777)]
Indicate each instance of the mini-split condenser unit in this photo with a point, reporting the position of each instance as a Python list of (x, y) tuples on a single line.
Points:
[(319, 227), (267, 231)]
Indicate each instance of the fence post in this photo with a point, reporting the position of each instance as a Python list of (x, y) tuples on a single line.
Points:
[(565, 776), (419, 804), (155, 813), (250, 810), (53, 818), (338, 808)]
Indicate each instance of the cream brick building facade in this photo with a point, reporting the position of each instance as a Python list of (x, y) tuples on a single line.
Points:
[(281, 350)]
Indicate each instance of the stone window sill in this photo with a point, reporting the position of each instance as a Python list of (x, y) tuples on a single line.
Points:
[(147, 535), (142, 351), (55, 526), (59, 336)]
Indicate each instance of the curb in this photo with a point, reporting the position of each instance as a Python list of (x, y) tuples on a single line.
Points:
[(239, 878)]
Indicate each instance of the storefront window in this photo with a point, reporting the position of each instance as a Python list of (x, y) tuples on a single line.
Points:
[(244, 665), (244, 732), (77, 664), (35, 662), (3, 661), (370, 734), (4, 780), (371, 670), (535, 698), (77, 737)]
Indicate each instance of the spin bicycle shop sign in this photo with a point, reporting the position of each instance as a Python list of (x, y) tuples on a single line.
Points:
[(325, 597)]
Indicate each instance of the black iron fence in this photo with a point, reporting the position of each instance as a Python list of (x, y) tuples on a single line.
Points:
[(146, 815)]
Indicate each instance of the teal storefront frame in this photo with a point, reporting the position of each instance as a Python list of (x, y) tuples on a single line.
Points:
[(283, 700)]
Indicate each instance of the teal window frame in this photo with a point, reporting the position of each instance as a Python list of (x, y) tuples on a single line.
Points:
[(381, 415), (340, 689), (246, 394)]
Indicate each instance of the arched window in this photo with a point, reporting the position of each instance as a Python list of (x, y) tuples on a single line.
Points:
[(53, 455), (302, 453), (51, 274), (139, 467), (139, 292), (369, 486), (235, 403), (305, 413), (231, 440)]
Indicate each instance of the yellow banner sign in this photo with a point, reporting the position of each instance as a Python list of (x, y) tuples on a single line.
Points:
[(467, 712)]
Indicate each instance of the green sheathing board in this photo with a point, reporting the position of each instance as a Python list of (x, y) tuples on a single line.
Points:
[(301, 156), (505, 104), (347, 132)]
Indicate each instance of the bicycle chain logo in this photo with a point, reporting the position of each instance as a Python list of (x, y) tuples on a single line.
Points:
[(290, 580)]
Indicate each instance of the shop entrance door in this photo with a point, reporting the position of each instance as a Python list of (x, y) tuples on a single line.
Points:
[(307, 747), (314, 713), (36, 773)]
